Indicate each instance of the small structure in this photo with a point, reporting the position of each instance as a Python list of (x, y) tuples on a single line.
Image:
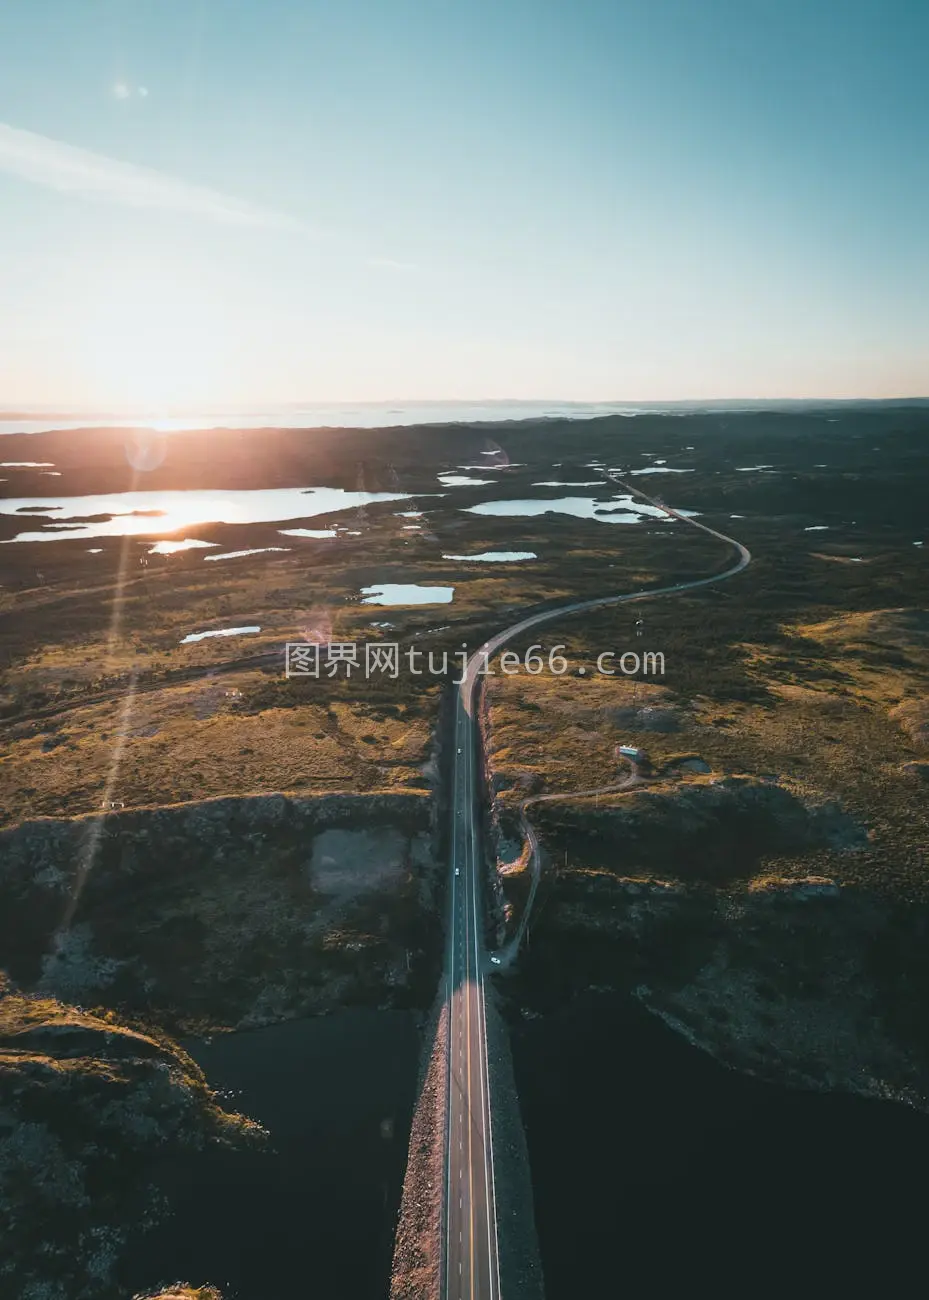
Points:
[(632, 753)]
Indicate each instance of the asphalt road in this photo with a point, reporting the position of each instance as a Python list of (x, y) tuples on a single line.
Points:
[(471, 1262)]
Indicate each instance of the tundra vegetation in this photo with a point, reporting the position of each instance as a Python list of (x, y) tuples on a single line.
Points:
[(273, 847)]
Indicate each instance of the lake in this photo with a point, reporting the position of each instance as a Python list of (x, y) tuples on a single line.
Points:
[(619, 509), (146, 513), (495, 557), (406, 593), (659, 1172), (315, 1215)]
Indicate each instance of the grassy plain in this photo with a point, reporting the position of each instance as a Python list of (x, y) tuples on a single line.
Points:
[(769, 673), (802, 683)]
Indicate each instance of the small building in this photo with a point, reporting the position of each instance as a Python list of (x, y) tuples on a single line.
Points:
[(632, 753)]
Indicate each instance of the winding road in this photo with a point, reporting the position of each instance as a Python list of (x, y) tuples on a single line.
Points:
[(471, 1266), (509, 953)]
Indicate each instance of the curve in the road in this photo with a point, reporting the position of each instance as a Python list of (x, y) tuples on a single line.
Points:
[(508, 954), (471, 1269)]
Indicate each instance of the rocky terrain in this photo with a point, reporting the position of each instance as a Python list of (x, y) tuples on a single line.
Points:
[(417, 1265), (184, 1292), (88, 1104), (227, 913), (764, 893), (202, 917), (699, 901)]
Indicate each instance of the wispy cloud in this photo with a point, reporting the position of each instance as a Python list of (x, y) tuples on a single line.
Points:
[(71, 170)]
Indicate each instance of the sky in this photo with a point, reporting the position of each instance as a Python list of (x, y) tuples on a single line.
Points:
[(251, 202)]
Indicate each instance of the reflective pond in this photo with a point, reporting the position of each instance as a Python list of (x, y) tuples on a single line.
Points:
[(406, 593)]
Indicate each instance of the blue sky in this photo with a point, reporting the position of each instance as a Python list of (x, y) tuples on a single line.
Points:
[(242, 202)]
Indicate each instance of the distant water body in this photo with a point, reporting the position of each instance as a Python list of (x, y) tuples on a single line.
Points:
[(361, 415), (376, 415)]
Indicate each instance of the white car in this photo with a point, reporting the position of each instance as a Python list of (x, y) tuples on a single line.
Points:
[(495, 961), (459, 751), (457, 871)]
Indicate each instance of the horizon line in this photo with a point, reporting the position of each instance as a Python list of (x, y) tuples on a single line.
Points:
[(62, 411)]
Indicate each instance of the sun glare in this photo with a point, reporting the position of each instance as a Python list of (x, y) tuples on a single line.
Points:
[(152, 351)]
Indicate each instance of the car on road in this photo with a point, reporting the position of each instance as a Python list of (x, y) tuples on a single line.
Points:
[(459, 751), (495, 961), (457, 871)]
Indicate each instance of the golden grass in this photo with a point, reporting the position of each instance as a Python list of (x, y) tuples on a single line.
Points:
[(839, 720), (195, 740)]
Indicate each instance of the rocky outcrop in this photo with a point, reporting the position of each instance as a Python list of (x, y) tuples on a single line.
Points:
[(48, 845), (174, 912), (417, 1261), (183, 1291), (795, 980), (714, 830), (87, 1105)]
